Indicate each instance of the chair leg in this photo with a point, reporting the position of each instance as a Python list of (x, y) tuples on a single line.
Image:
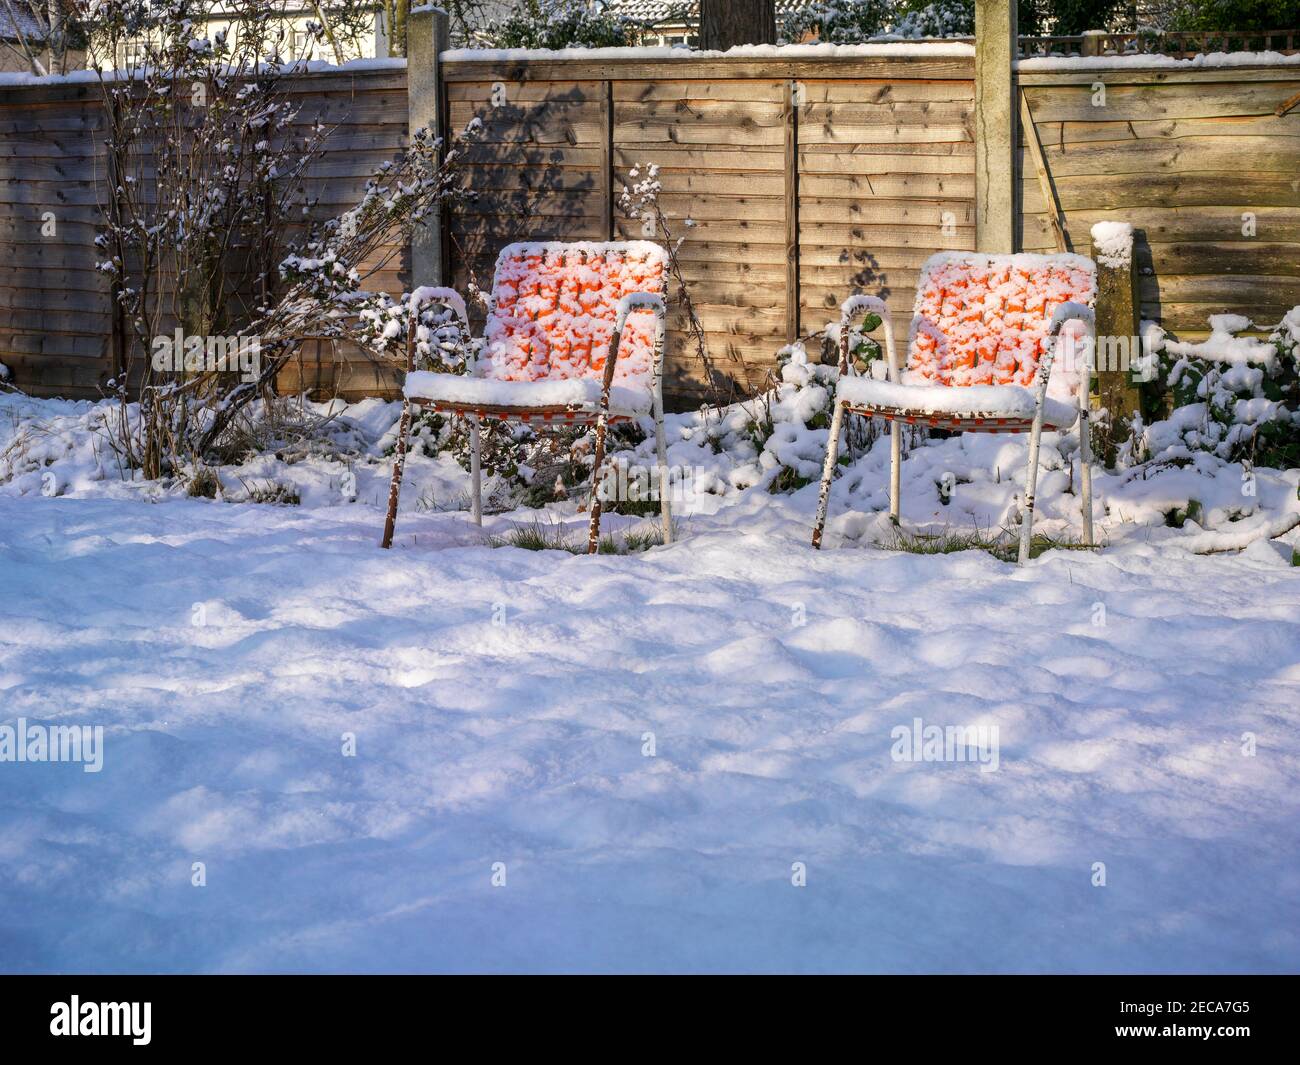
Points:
[(476, 470), (399, 466), (1031, 485), (828, 474), (895, 469), (1085, 462), (661, 449)]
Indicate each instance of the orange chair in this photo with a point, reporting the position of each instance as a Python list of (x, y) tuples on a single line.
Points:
[(574, 336), (980, 353)]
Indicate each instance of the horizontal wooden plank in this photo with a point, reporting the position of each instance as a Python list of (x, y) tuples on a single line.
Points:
[(882, 259), (1121, 130), (694, 92), (672, 157), (812, 163), (930, 235), (1237, 257), (498, 91), (538, 156), (1186, 155), (889, 186), (1180, 224), (90, 347), (1246, 96), (885, 91), (1124, 73), (882, 134), (715, 234), (522, 178), (1227, 291), (1092, 192), (715, 183), (882, 211)]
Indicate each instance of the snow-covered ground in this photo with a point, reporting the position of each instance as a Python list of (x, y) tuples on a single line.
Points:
[(504, 705)]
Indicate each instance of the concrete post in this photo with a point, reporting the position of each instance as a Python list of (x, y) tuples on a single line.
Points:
[(995, 126), (427, 37)]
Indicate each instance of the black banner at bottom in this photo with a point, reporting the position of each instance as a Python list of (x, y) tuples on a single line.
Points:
[(338, 1013)]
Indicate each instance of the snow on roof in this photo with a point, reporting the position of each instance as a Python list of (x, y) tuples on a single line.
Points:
[(17, 17), (662, 10)]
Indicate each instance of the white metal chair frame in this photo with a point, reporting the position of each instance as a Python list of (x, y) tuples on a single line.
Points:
[(856, 306)]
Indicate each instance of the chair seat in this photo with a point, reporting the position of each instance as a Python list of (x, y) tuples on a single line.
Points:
[(574, 399), (974, 408)]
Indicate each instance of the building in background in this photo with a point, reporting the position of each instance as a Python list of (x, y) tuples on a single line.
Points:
[(23, 35), (674, 22), (367, 38)]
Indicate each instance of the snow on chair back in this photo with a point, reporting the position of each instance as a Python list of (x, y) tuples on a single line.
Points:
[(986, 319), (554, 307)]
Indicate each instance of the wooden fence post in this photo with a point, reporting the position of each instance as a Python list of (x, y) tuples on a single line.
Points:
[(427, 37), (1117, 336), (793, 97), (995, 126)]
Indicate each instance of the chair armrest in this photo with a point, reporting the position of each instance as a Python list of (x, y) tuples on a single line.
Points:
[(637, 301), (448, 297), (1068, 312), (852, 308)]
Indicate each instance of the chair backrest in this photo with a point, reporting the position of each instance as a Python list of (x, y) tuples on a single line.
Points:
[(554, 305), (985, 319)]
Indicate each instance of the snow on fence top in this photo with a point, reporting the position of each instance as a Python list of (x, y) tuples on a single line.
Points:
[(881, 50), (312, 66), (1113, 243), (1067, 64)]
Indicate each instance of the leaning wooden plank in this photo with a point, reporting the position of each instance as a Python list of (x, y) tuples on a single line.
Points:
[(1044, 177)]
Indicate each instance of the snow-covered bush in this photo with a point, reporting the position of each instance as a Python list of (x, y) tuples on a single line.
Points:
[(856, 21), (205, 138), (558, 24), (837, 21), (1235, 397), (939, 18)]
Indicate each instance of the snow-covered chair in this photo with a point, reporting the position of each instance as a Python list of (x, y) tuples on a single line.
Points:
[(980, 357), (574, 336)]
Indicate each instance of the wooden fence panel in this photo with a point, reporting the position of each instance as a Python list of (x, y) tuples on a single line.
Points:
[(721, 159), (538, 169), (1205, 171), (886, 179), (55, 329)]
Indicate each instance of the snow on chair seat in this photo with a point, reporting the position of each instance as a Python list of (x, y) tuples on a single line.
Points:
[(974, 408), (571, 399), (574, 335), (981, 349)]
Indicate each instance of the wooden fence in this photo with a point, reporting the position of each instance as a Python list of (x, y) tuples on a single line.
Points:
[(803, 180), (1199, 161), (56, 324), (790, 183)]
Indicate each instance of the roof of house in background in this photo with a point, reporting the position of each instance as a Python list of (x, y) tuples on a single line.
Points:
[(22, 19), (662, 10)]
